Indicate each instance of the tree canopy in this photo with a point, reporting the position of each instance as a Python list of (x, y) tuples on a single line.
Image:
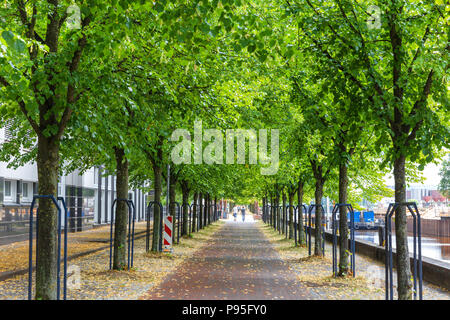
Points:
[(351, 100)]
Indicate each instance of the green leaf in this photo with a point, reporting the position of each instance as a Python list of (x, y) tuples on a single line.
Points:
[(19, 46), (8, 36)]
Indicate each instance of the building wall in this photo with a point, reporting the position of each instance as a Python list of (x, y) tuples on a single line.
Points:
[(88, 196)]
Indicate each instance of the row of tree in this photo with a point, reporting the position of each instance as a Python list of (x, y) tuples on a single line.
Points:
[(109, 92), (351, 102)]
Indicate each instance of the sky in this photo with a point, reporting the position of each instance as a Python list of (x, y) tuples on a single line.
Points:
[(431, 174)]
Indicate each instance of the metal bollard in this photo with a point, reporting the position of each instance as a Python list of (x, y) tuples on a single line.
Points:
[(58, 259), (417, 249), (130, 236)]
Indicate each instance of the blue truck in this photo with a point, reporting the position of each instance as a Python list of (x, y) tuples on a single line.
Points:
[(366, 222)]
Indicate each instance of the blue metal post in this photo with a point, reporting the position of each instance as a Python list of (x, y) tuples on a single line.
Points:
[(150, 205), (386, 255), (132, 231), (178, 219), (66, 212), (130, 214), (309, 229), (295, 224), (417, 249), (333, 226), (129, 232), (30, 251), (30, 241)]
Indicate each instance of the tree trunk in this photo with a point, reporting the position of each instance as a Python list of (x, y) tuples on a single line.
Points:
[(277, 212), (404, 285), (343, 223), (284, 212), (301, 233), (274, 213), (318, 218), (275, 209), (157, 172), (172, 198), (291, 215), (120, 225), (264, 209), (48, 166), (206, 211), (185, 192), (269, 212), (200, 211), (215, 209), (266, 213), (194, 212)]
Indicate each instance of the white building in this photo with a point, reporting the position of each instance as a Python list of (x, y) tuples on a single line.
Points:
[(88, 197)]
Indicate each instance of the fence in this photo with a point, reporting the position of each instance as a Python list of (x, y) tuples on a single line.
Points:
[(14, 223)]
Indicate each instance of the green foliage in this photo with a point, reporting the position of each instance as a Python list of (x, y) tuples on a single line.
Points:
[(311, 69), (444, 184)]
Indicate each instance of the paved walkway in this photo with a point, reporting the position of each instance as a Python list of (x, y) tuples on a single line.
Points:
[(240, 263)]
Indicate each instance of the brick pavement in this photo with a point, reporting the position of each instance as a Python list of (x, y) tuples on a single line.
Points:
[(240, 263)]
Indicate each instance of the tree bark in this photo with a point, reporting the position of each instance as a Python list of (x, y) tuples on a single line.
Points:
[(194, 212), (157, 172), (120, 225), (185, 192), (318, 218), (400, 129), (172, 198), (215, 209), (291, 215), (343, 223), (277, 212), (301, 233), (404, 285), (200, 211), (284, 212), (208, 196), (206, 211), (48, 166), (264, 209), (274, 212), (271, 211)]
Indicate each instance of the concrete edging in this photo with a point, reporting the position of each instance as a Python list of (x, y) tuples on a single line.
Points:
[(434, 271)]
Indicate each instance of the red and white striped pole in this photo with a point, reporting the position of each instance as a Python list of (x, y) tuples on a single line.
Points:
[(168, 229)]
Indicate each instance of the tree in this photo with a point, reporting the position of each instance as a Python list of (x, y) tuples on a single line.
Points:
[(444, 184), (402, 76), (46, 67)]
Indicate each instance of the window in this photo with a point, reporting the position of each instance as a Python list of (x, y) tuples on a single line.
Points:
[(25, 190), (8, 131), (7, 188)]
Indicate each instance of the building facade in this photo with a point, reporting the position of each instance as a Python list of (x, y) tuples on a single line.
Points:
[(88, 196)]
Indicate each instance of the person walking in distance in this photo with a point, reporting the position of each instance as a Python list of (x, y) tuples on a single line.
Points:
[(235, 209), (243, 213)]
